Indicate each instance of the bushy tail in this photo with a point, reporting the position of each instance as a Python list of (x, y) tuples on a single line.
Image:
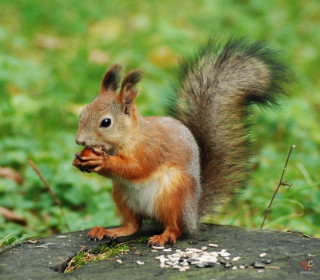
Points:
[(213, 98)]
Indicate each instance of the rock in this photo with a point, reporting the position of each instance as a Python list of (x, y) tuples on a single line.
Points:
[(258, 265), (48, 258)]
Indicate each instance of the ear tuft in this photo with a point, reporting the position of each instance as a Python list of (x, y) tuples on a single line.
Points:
[(133, 77), (111, 78)]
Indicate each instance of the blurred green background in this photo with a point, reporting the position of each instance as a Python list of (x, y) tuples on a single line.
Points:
[(53, 55)]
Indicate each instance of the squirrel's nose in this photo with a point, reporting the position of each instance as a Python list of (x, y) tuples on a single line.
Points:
[(80, 141)]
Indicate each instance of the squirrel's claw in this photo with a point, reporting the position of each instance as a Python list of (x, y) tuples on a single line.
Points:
[(152, 244), (99, 151), (98, 233), (160, 240), (78, 155)]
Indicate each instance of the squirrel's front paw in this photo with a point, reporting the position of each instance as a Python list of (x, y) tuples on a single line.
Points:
[(90, 159), (77, 162), (97, 233)]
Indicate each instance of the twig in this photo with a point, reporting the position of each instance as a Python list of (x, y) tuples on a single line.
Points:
[(11, 216), (281, 183), (52, 194)]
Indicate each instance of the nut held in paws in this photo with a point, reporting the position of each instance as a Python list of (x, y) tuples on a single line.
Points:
[(86, 152)]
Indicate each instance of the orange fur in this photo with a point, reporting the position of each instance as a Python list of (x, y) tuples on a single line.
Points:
[(131, 221), (132, 167), (169, 208)]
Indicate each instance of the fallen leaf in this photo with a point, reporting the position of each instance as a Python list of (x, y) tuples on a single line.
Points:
[(9, 215), (109, 29), (163, 56), (99, 57), (10, 173), (48, 42)]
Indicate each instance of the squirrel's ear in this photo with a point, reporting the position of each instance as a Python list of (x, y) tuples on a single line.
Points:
[(133, 77), (111, 78), (128, 93), (127, 96)]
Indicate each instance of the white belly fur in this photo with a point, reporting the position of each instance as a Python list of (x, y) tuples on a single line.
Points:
[(141, 196)]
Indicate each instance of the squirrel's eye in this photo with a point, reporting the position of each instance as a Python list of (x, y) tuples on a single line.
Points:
[(106, 122)]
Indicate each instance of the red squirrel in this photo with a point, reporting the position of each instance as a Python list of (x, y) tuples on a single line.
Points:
[(173, 169)]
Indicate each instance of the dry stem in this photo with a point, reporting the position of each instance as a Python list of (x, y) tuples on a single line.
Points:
[(52, 194), (281, 183)]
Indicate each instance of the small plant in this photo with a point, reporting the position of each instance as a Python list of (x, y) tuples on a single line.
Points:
[(142, 240), (102, 252), (5, 241), (13, 238)]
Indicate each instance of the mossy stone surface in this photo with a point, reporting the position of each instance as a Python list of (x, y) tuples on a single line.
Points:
[(288, 253)]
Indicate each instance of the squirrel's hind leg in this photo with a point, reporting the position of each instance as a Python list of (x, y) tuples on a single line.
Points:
[(131, 221), (170, 206)]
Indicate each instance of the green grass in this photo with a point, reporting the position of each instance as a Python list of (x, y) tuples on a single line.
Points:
[(102, 252), (53, 55)]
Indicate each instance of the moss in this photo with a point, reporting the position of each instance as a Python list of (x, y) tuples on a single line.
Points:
[(101, 252)]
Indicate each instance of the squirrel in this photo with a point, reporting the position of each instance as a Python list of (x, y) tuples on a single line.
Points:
[(174, 169)]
